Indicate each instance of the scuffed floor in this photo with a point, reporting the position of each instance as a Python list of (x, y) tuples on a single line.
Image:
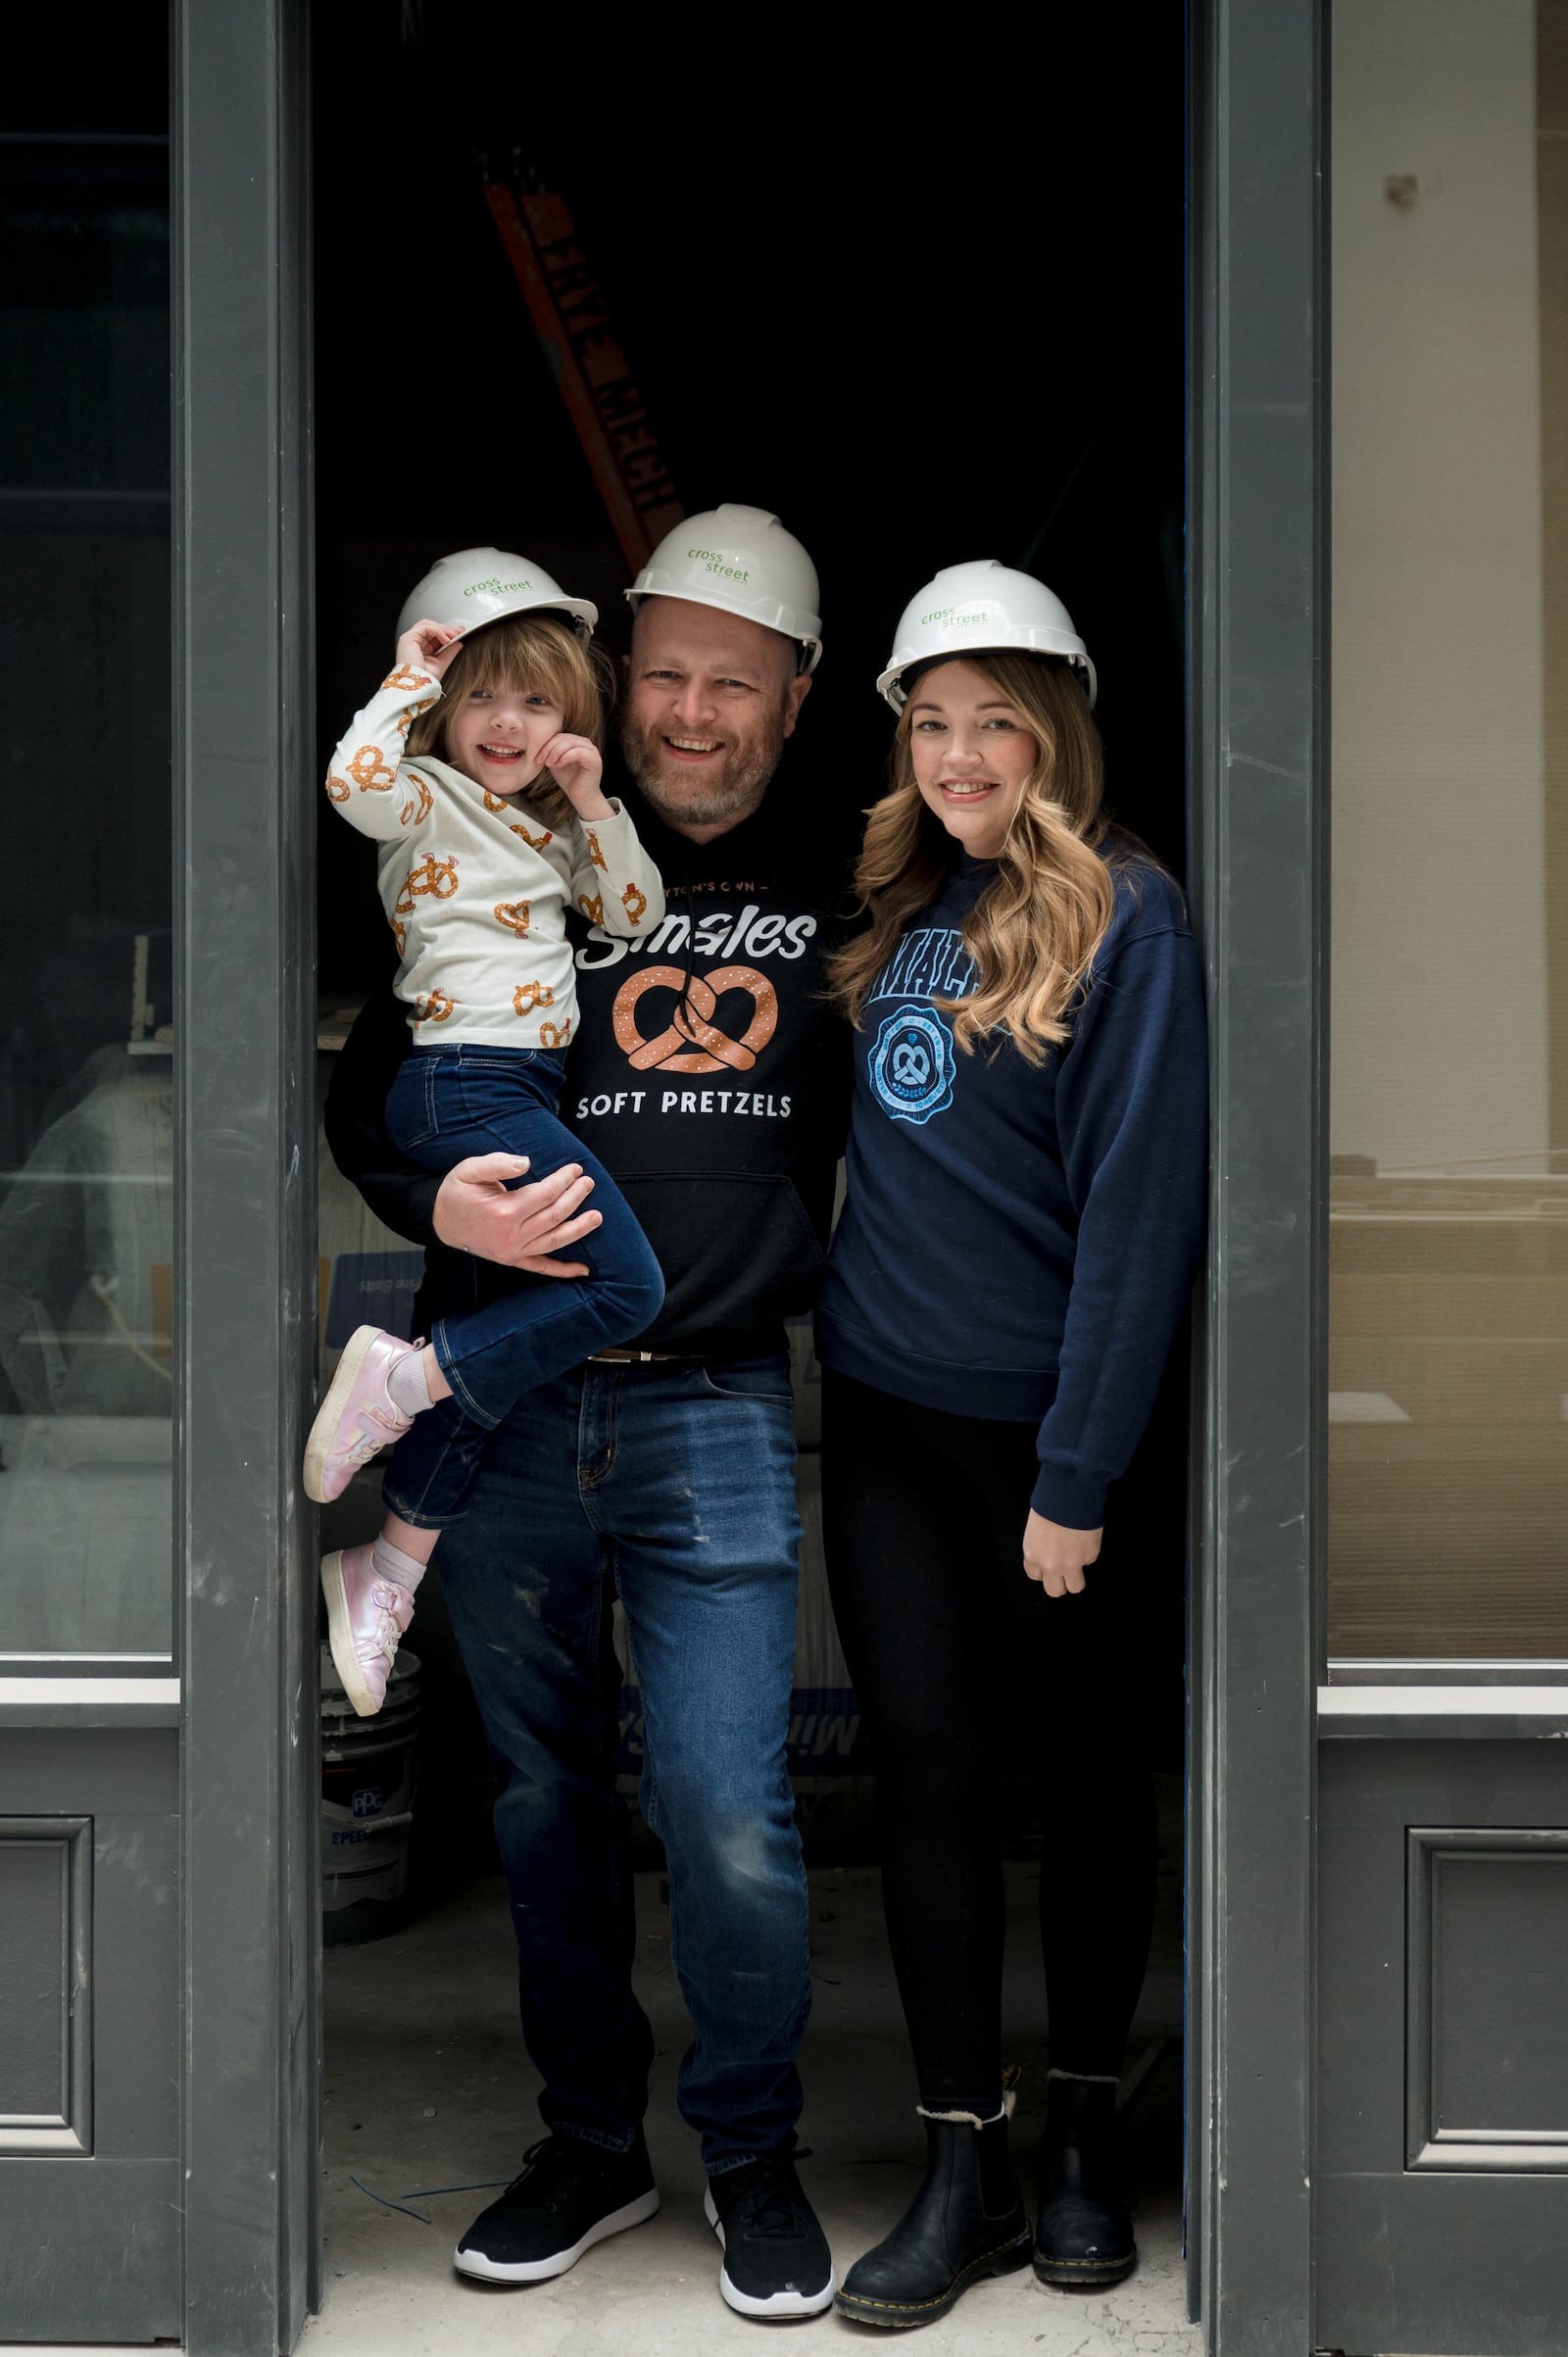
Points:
[(427, 2086)]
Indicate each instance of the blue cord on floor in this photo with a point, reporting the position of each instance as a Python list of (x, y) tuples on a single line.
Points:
[(428, 2193), (385, 2204)]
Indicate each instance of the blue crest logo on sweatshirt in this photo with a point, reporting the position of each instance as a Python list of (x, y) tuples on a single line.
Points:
[(912, 1065)]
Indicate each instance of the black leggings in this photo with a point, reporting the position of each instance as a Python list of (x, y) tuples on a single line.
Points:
[(976, 1688)]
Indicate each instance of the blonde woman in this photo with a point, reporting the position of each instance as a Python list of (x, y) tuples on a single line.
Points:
[(1024, 1216)]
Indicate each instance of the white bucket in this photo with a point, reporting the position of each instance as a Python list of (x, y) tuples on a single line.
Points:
[(368, 1771)]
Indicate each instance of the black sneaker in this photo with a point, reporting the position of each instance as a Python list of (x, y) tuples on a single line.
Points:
[(776, 2259), (567, 2197)]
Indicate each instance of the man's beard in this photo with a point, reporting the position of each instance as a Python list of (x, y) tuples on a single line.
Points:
[(705, 799)]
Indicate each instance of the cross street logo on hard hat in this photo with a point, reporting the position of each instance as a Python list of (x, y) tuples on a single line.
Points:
[(717, 562), (912, 1065)]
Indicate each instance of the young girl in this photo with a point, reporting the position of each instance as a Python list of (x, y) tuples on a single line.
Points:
[(1024, 1211), (477, 766)]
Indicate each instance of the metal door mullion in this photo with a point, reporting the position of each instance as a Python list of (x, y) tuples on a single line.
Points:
[(245, 1100), (1255, 629)]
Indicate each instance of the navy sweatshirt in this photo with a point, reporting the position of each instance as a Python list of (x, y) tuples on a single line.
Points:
[(1020, 1240)]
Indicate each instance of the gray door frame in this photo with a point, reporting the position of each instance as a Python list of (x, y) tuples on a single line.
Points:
[(1254, 518), (245, 1058), (245, 1055)]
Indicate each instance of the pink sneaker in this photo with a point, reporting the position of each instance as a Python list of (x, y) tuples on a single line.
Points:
[(358, 1416), (366, 1616)]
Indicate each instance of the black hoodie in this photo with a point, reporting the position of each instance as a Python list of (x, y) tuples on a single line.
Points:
[(723, 1133)]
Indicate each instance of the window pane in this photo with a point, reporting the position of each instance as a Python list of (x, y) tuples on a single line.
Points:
[(1449, 1359), (86, 1226)]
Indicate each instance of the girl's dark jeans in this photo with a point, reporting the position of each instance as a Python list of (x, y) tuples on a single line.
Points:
[(449, 1102)]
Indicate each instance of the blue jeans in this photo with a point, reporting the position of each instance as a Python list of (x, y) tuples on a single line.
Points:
[(445, 1105), (674, 1484)]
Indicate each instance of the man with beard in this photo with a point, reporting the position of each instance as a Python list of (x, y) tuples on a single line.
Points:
[(710, 1077)]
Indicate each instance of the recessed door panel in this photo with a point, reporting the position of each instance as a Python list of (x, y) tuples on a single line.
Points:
[(1487, 1931), (89, 2039), (46, 1984), (1441, 2198)]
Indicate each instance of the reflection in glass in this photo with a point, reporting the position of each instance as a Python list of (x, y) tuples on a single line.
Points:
[(86, 1225), (1448, 1191)]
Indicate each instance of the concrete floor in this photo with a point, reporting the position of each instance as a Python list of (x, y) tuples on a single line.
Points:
[(427, 2086)]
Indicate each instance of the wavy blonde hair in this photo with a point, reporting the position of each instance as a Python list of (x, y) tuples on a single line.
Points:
[(1034, 927), (533, 654)]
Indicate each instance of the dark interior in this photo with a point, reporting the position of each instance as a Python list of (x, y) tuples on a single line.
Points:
[(927, 308), (926, 304)]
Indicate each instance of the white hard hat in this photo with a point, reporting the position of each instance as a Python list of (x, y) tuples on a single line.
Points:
[(982, 609), (478, 585), (742, 561)]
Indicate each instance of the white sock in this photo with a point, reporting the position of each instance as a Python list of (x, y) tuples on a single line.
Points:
[(971, 2119), (409, 1386), (390, 1562)]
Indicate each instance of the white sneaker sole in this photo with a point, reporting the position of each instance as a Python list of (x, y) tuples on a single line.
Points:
[(340, 1633), (777, 2303), (540, 2271), (326, 1415)]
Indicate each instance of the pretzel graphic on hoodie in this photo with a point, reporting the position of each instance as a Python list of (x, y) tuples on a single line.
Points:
[(692, 1043)]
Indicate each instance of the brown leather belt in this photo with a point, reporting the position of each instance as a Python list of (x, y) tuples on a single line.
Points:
[(635, 1358)]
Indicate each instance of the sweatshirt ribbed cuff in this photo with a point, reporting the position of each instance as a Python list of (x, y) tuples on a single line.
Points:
[(1075, 1501)]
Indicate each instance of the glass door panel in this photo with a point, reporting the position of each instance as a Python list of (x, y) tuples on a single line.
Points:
[(86, 1219), (1449, 1179)]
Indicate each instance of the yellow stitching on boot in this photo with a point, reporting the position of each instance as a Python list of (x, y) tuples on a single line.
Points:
[(908, 2307), (1080, 2264)]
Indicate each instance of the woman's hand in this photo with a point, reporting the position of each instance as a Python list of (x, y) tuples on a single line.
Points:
[(576, 767), (1057, 1557), (476, 1211), (429, 647)]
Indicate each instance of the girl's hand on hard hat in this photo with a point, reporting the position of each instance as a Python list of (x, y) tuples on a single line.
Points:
[(576, 766), (429, 647), (1058, 1557), (481, 1209)]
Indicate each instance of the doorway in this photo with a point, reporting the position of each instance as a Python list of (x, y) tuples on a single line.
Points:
[(923, 313)]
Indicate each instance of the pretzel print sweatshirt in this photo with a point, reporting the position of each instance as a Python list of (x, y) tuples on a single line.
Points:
[(476, 887), (710, 1072)]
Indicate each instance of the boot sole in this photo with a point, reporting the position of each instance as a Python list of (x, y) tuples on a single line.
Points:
[(317, 1446), (542, 2271), (778, 2305), (903, 2315), (1083, 2274), (340, 1636)]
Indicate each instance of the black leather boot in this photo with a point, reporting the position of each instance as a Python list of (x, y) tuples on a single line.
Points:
[(1084, 2234), (965, 2221)]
